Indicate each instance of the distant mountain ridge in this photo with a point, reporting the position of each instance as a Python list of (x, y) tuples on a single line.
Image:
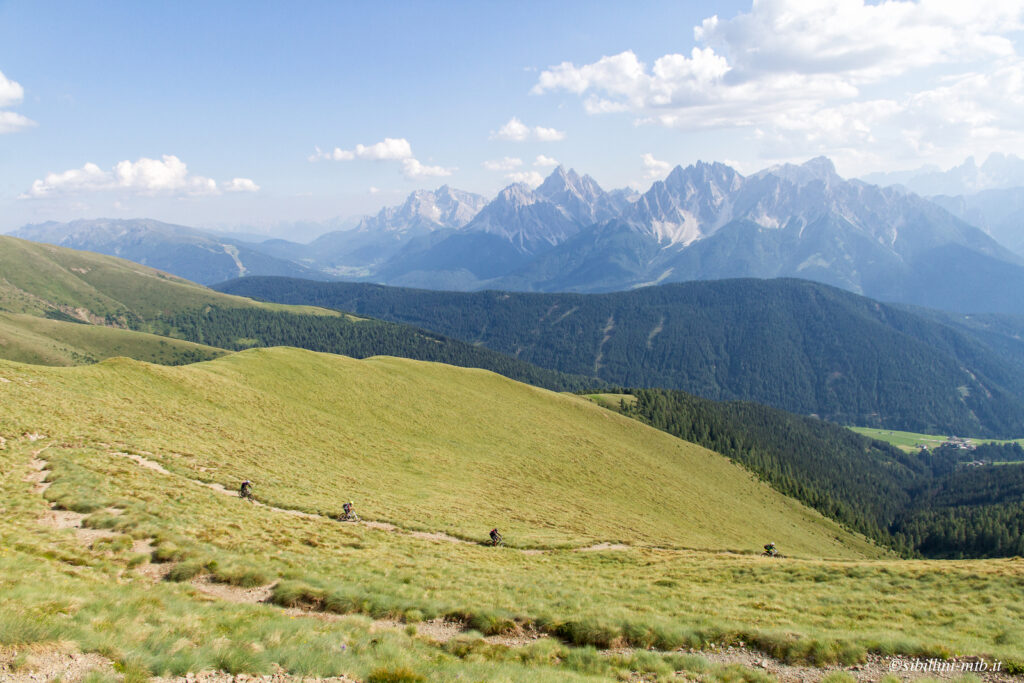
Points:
[(193, 254), (998, 171), (703, 222)]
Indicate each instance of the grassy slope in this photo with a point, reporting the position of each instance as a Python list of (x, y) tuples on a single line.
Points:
[(36, 278), (53, 282), (430, 446), (55, 588), (29, 339)]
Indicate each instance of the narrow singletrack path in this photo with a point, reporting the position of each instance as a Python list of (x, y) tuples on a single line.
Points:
[(382, 526)]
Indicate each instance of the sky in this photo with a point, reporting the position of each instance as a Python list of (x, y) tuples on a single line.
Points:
[(252, 115)]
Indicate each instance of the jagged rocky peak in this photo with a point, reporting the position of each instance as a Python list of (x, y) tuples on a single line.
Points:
[(562, 181), (517, 194), (445, 207), (818, 168)]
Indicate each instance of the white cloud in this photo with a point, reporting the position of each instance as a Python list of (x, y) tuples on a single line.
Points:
[(385, 150), (11, 122), (548, 134), (413, 169), (654, 168), (505, 164), (840, 77), (517, 131), (167, 176), (544, 161), (241, 185), (531, 178), (11, 94), (388, 149)]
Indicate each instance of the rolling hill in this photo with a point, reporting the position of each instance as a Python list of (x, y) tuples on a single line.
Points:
[(122, 539), (97, 305), (801, 346)]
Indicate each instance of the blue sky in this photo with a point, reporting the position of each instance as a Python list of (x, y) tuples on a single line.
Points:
[(212, 113)]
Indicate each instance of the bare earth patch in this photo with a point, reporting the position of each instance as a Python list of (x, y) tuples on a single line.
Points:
[(602, 546), (229, 593), (35, 663), (62, 519), (874, 669)]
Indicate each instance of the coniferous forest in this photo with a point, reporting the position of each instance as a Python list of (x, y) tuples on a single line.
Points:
[(944, 503), (242, 328), (800, 346)]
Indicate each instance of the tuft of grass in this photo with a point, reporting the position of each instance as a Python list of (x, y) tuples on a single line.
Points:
[(243, 577), (23, 629), (185, 571), (400, 674)]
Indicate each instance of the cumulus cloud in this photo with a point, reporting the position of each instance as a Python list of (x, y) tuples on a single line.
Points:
[(531, 178), (386, 149), (241, 185), (413, 170), (505, 164), (838, 76), (545, 162), (11, 94), (654, 168), (517, 131), (168, 175)]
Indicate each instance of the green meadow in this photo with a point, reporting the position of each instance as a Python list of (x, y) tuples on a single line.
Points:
[(911, 441), (443, 454)]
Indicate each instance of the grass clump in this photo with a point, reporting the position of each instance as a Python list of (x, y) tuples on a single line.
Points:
[(401, 674), (185, 571), (243, 577)]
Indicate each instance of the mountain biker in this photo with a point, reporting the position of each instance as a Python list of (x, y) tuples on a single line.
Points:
[(495, 537), (246, 489), (347, 507), (769, 549)]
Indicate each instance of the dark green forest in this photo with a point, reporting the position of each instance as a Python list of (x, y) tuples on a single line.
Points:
[(941, 503), (242, 328), (800, 346)]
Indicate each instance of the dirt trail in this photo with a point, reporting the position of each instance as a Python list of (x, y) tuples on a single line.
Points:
[(47, 663), (382, 526)]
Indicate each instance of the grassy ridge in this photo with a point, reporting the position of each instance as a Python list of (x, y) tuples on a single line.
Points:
[(30, 339), (428, 446), (73, 286), (308, 424)]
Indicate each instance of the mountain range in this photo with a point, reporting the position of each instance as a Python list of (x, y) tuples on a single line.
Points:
[(193, 254), (997, 172), (702, 222)]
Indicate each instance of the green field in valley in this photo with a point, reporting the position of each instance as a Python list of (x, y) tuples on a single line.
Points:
[(911, 441)]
